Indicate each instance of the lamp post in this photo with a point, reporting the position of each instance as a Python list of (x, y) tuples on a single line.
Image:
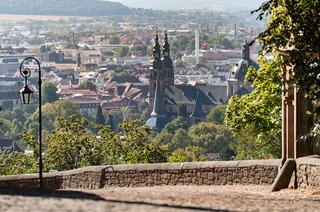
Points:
[(26, 95)]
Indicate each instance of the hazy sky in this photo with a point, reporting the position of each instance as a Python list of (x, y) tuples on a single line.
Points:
[(187, 4)]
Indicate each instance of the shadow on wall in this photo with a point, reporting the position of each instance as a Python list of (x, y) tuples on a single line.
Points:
[(49, 193)]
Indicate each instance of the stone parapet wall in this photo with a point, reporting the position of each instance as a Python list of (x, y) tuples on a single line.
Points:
[(308, 172), (194, 173)]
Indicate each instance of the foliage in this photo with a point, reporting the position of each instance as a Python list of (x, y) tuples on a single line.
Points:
[(121, 51), (16, 163), (164, 138), (217, 114), (175, 124), (259, 111), (70, 145), (211, 137), (137, 145), (247, 147), (182, 110), (110, 122), (6, 126), (50, 111), (188, 154), (71, 46), (71, 8), (114, 40), (49, 93), (293, 29), (109, 147), (99, 116), (32, 143), (180, 140), (88, 85)]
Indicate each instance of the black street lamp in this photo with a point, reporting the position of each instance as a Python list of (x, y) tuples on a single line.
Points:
[(26, 95)]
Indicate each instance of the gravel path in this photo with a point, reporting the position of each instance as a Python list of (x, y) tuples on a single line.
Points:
[(164, 198)]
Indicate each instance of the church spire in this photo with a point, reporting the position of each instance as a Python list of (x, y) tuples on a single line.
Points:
[(156, 63), (156, 47), (167, 62), (158, 103), (166, 46), (198, 111)]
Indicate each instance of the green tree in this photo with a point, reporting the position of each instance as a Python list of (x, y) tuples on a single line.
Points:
[(293, 30), (259, 111), (175, 124), (227, 44), (114, 40), (180, 139), (108, 147), (110, 122), (88, 85), (70, 145), (121, 51), (211, 137), (216, 115), (50, 111), (32, 142), (189, 154), (13, 163), (182, 110), (49, 93), (164, 139), (246, 147), (99, 116), (71, 46), (138, 147)]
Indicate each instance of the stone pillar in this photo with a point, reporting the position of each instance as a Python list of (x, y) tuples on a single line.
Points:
[(294, 120), (303, 123), (288, 127)]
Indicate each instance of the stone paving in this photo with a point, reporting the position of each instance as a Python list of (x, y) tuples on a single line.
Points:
[(164, 198)]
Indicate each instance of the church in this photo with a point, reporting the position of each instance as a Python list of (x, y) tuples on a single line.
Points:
[(167, 100)]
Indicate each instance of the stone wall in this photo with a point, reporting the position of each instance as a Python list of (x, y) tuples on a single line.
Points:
[(194, 173), (308, 172)]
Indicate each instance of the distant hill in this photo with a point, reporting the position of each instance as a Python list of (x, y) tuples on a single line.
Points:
[(189, 4), (64, 7)]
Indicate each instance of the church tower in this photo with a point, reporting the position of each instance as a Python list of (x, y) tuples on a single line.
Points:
[(156, 71), (167, 62), (236, 77)]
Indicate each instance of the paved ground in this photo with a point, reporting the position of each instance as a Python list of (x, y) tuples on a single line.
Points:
[(166, 198)]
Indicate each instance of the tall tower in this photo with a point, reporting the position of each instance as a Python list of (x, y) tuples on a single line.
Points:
[(156, 70), (167, 62), (196, 45)]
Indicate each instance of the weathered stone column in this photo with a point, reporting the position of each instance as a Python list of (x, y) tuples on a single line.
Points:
[(294, 120), (288, 140)]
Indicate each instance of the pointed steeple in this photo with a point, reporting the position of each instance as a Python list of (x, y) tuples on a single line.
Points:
[(198, 111), (156, 63), (246, 50), (158, 103), (167, 62), (166, 46)]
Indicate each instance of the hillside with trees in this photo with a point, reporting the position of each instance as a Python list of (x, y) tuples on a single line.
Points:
[(64, 8)]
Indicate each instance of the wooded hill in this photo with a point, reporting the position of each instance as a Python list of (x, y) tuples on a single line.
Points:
[(64, 7)]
